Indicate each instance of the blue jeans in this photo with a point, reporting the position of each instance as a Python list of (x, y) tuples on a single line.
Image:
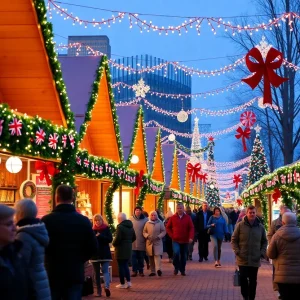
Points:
[(217, 243), (123, 270), (61, 292), (180, 252), (138, 261), (104, 268)]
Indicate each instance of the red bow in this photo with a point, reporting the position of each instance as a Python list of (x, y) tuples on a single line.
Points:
[(239, 202), (203, 177), (276, 195), (244, 134), (237, 179), (47, 168), (264, 69), (139, 182), (194, 171)]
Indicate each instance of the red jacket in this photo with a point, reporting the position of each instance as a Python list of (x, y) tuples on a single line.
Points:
[(180, 230)]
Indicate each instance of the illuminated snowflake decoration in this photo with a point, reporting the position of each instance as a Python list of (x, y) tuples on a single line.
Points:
[(141, 89), (263, 47)]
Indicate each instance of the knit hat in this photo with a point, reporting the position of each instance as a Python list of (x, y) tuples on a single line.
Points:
[(138, 207)]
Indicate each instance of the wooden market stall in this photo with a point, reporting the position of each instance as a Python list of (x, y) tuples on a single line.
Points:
[(91, 98), (134, 146), (280, 187), (171, 173), (156, 167), (35, 112)]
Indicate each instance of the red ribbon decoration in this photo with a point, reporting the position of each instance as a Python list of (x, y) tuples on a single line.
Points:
[(194, 171), (264, 69), (244, 134), (237, 179), (203, 177), (46, 168), (276, 195), (239, 202), (139, 182)]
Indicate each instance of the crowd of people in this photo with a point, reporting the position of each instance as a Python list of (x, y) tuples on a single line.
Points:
[(45, 259)]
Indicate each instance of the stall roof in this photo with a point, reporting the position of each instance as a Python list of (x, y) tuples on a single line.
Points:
[(26, 79), (81, 75), (154, 153), (182, 162), (133, 135), (171, 166)]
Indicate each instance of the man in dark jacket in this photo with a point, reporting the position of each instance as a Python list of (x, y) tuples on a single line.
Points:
[(249, 243), (180, 229), (72, 243), (14, 280), (189, 212), (201, 221)]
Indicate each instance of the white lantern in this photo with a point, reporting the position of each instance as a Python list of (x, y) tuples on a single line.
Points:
[(14, 164), (172, 137), (182, 116), (135, 159)]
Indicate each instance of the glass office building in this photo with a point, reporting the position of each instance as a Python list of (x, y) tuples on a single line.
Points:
[(98, 43), (165, 80)]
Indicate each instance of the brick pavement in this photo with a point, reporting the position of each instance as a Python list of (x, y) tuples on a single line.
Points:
[(203, 281)]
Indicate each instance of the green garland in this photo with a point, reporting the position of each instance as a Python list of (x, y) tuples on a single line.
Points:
[(108, 205), (103, 68), (286, 179), (46, 29), (264, 207), (184, 197), (142, 196), (185, 149), (160, 202)]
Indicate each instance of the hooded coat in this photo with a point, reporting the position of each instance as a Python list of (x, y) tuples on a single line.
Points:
[(34, 236), (123, 240), (138, 225), (284, 250), (249, 242), (153, 232)]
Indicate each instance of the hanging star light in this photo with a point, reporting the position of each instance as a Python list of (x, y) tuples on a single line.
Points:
[(257, 128), (141, 89), (263, 47)]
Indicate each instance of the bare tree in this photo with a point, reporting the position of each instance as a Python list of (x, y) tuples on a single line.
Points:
[(282, 125)]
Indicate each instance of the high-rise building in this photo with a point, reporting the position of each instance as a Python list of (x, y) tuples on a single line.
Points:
[(166, 80), (89, 45)]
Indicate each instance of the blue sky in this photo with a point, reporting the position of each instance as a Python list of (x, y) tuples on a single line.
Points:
[(189, 46)]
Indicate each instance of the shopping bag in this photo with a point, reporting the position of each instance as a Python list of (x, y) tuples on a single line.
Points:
[(87, 288), (236, 278)]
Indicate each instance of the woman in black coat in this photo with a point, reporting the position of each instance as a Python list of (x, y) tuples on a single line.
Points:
[(103, 256)]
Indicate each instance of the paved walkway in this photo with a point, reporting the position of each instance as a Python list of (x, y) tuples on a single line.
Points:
[(203, 281)]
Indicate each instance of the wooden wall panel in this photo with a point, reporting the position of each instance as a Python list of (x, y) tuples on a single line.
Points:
[(174, 181)]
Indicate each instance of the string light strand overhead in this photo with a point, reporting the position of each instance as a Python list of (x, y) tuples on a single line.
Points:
[(192, 23)]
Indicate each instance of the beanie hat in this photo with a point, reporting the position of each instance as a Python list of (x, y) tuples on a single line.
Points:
[(138, 207)]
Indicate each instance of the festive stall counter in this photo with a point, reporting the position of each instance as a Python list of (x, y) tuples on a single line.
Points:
[(280, 186)]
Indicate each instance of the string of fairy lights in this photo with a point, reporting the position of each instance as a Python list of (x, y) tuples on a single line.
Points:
[(195, 23), (176, 65)]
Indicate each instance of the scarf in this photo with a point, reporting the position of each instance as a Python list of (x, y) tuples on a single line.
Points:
[(100, 228)]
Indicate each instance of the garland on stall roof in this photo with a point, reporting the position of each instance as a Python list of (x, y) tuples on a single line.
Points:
[(183, 197), (108, 204), (142, 196), (286, 179), (103, 68), (46, 29)]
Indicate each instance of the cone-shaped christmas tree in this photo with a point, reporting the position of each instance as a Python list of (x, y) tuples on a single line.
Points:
[(212, 191), (258, 166), (196, 154)]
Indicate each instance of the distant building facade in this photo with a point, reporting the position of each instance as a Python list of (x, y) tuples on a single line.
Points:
[(166, 80), (99, 43)]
